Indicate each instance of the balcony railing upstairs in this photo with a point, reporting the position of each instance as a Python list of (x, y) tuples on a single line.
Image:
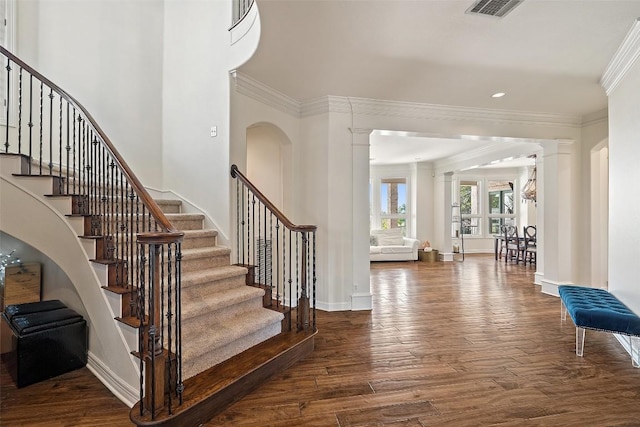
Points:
[(240, 10), (133, 237), (280, 256)]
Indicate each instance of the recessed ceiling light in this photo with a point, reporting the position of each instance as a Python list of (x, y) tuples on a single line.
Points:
[(498, 95)]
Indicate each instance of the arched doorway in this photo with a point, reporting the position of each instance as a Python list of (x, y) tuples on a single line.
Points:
[(269, 163)]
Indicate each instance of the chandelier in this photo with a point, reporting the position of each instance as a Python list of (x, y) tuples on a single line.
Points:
[(529, 189)]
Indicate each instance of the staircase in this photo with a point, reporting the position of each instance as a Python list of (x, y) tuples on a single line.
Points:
[(221, 316), (168, 312)]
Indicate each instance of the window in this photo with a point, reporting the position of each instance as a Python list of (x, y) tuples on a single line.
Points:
[(393, 203), (501, 205), (470, 207)]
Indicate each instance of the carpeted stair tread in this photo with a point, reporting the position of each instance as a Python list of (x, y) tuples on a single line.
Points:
[(233, 332), (169, 205), (220, 301), (205, 252), (198, 277), (191, 234)]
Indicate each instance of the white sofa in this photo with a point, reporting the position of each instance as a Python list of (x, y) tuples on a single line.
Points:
[(391, 245)]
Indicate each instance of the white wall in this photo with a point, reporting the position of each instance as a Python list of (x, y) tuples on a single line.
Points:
[(196, 91), (624, 206), (108, 55)]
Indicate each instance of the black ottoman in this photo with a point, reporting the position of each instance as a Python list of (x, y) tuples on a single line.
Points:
[(48, 339)]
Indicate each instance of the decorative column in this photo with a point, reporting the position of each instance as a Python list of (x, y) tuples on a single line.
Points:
[(361, 295), (443, 216), (557, 206)]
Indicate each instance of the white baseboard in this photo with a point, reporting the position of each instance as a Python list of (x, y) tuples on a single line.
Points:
[(123, 391), (361, 302)]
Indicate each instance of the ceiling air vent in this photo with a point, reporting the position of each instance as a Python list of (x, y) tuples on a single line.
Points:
[(498, 8)]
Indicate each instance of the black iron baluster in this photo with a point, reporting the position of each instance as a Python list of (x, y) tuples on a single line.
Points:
[(50, 131), (248, 247), (8, 105), (132, 197), (68, 148), (30, 122), (82, 162), (41, 140), (270, 255), (297, 276), (253, 240), (169, 318), (180, 385), (238, 212), (278, 267), (257, 241), (141, 315), (74, 167), (20, 112), (60, 141)]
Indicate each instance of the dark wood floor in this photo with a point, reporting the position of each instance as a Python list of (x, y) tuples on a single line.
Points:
[(470, 343)]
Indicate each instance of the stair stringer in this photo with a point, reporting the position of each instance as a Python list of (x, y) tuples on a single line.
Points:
[(29, 217)]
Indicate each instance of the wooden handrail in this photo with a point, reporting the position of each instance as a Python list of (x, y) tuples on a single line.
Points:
[(235, 173), (147, 200)]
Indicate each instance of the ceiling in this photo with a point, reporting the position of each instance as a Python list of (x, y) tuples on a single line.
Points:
[(546, 55)]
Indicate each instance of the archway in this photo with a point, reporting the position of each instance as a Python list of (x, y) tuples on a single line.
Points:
[(269, 163)]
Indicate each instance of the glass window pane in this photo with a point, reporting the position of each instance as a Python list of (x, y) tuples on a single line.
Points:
[(500, 197), (469, 200), (393, 196)]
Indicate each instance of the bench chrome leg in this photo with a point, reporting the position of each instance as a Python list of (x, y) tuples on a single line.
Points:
[(563, 311), (635, 351), (579, 341)]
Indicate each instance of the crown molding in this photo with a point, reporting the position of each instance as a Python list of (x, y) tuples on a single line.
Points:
[(364, 106), (262, 93), (623, 60), (446, 112), (596, 117)]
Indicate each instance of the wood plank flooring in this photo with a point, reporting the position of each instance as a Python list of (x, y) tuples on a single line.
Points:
[(470, 343)]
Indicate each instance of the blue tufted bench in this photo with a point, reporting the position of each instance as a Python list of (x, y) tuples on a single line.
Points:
[(597, 309)]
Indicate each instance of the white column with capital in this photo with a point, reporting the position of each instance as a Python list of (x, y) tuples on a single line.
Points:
[(361, 295)]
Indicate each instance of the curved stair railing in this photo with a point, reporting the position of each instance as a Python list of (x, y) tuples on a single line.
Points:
[(133, 237), (279, 255)]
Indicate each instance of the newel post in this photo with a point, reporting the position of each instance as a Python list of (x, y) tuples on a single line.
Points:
[(154, 357), (303, 301)]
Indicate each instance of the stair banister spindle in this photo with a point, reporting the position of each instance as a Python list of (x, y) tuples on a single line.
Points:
[(60, 140), (19, 111), (68, 149), (271, 251), (237, 222), (179, 385), (8, 106), (30, 124), (50, 164), (141, 316), (277, 251), (41, 137)]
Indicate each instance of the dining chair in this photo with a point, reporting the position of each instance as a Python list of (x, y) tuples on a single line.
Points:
[(530, 248), (514, 247)]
